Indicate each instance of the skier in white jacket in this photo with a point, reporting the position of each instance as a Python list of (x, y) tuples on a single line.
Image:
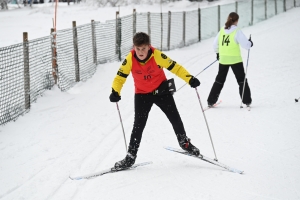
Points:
[(227, 47)]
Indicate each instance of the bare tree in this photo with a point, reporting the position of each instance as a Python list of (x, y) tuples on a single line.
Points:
[(114, 3), (101, 3)]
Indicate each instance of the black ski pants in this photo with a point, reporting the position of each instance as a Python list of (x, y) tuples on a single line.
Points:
[(142, 107), (238, 70)]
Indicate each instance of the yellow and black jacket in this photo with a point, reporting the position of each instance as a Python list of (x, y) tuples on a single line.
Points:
[(149, 75)]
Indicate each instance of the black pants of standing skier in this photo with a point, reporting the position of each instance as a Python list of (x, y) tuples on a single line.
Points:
[(143, 104), (238, 70)]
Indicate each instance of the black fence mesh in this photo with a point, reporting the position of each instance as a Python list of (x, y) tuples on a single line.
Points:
[(106, 41), (209, 22), (280, 6), (126, 26), (65, 59), (85, 52), (270, 8), (20, 87), (176, 30), (142, 23), (164, 31), (12, 93), (191, 27), (244, 13), (156, 30), (258, 11), (26, 69), (40, 67), (289, 5)]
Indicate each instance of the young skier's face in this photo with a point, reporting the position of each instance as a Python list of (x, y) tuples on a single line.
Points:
[(142, 51)]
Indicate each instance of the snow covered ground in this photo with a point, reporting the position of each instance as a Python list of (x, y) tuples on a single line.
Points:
[(78, 132)]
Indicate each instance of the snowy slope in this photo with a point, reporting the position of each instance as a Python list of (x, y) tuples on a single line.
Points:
[(79, 131)]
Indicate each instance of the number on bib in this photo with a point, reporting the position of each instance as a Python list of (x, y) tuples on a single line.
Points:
[(225, 40)]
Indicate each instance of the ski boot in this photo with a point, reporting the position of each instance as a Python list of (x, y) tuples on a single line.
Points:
[(185, 144), (129, 160), (210, 105)]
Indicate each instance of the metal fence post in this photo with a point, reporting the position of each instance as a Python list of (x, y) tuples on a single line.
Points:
[(183, 28), (26, 70), (199, 24), (252, 12), (134, 21), (284, 5), (236, 7), (149, 24), (275, 7), (169, 29), (266, 11), (94, 42), (76, 59), (54, 55), (118, 35), (219, 18)]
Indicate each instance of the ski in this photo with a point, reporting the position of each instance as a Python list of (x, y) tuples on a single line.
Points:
[(107, 171), (206, 159), (215, 105)]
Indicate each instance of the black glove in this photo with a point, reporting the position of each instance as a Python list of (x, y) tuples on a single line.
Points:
[(194, 82), (251, 42), (114, 96), (217, 56)]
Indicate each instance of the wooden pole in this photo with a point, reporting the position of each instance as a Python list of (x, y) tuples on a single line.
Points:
[(94, 41), (183, 28), (169, 29), (26, 70), (54, 55), (76, 59)]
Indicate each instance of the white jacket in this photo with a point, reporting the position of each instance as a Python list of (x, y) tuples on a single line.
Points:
[(239, 38)]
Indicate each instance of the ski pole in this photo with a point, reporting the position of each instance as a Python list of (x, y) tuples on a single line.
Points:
[(199, 73), (206, 125), (296, 100), (122, 126), (206, 68), (245, 77)]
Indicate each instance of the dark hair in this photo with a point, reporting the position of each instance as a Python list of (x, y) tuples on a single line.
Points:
[(140, 39), (232, 17)]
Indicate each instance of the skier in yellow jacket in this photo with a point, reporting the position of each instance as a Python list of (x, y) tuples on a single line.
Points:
[(146, 65)]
